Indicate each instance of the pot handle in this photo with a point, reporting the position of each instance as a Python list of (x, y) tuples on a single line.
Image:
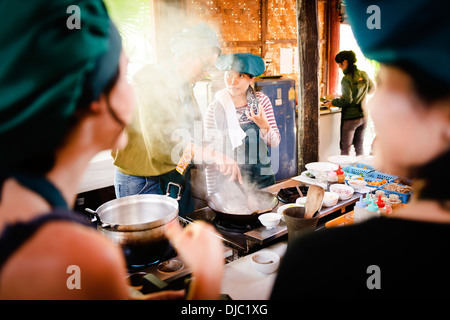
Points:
[(176, 185), (93, 215)]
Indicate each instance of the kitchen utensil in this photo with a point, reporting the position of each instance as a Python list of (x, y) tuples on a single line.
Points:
[(296, 222), (343, 191), (270, 220), (138, 223), (265, 261), (314, 199), (234, 207)]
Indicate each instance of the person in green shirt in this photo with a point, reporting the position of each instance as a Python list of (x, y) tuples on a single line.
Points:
[(355, 86), (165, 136)]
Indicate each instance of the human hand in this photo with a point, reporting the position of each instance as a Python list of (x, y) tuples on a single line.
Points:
[(228, 167), (260, 119), (202, 251)]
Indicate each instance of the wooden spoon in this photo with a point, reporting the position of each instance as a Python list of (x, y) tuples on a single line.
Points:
[(314, 199)]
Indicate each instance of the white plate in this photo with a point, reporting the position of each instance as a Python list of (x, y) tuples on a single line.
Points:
[(343, 161)]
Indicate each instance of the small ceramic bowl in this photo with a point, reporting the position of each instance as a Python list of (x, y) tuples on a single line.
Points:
[(265, 261), (343, 191), (330, 199), (270, 220), (356, 184)]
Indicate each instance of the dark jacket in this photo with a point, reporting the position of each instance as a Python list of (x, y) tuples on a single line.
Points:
[(354, 90)]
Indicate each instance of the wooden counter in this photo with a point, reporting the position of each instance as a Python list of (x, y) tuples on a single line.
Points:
[(340, 205)]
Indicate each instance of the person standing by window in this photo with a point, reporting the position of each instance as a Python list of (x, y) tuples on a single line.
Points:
[(355, 86)]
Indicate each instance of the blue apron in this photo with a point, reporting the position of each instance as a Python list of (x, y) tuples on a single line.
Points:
[(257, 168)]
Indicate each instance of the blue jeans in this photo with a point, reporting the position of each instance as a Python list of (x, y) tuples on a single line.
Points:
[(127, 185)]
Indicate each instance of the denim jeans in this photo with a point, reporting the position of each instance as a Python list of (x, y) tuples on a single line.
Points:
[(127, 185), (352, 132)]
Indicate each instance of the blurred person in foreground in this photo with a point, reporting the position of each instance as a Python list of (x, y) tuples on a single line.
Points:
[(65, 97), (403, 256)]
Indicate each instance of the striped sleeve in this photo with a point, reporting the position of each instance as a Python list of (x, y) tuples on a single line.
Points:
[(272, 138)]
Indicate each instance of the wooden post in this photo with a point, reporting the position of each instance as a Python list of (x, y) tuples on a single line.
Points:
[(333, 46), (308, 104)]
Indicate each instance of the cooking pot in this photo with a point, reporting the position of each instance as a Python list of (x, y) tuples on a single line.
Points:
[(138, 224), (241, 208)]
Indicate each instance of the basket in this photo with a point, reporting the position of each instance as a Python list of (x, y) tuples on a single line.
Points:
[(404, 197), (380, 175), (356, 170)]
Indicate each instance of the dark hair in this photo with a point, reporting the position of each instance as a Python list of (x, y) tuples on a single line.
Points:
[(350, 56)]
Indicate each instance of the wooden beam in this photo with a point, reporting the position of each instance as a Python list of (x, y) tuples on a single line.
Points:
[(308, 104)]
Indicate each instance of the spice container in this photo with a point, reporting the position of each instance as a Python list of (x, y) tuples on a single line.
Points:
[(340, 175), (395, 201), (331, 179)]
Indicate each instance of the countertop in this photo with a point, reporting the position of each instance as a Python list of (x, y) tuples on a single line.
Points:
[(241, 281)]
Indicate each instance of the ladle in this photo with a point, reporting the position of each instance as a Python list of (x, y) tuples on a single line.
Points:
[(314, 199)]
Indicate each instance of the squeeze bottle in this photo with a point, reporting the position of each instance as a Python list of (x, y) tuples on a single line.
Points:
[(372, 210), (381, 206), (340, 175), (360, 213)]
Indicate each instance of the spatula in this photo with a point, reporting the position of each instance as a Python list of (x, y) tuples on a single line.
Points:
[(314, 199)]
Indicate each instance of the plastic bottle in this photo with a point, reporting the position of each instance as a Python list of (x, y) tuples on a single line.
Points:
[(381, 206), (360, 211), (340, 175), (367, 199), (372, 210), (331, 179)]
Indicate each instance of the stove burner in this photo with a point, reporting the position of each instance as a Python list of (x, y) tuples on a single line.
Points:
[(234, 227)]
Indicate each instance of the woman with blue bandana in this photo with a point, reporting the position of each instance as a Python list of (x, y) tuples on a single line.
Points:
[(65, 97), (240, 122), (403, 256)]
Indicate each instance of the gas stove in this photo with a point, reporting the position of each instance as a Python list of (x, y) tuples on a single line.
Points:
[(241, 238)]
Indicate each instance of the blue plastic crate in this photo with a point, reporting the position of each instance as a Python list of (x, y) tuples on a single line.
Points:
[(404, 197), (380, 175), (363, 166), (356, 170)]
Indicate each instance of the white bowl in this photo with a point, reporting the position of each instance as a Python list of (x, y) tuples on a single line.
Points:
[(270, 220), (343, 191), (301, 201), (330, 199), (343, 161), (265, 261), (357, 184), (320, 168)]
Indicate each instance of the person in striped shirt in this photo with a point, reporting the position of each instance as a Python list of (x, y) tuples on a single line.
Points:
[(240, 122)]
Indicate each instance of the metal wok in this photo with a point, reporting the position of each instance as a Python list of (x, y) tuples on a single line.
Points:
[(244, 207)]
